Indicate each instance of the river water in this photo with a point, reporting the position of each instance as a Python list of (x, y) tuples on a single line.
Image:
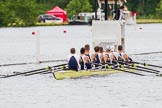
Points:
[(122, 90)]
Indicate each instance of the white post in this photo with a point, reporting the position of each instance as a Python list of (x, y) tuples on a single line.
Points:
[(134, 18), (37, 47), (123, 35), (99, 12)]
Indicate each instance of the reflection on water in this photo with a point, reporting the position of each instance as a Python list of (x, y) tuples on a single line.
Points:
[(113, 91)]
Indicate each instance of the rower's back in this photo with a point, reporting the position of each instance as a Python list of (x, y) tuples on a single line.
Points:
[(120, 53), (82, 59), (72, 60), (97, 55), (87, 51), (122, 56), (88, 54)]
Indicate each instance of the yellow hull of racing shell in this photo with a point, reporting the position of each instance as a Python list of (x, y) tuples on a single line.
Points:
[(82, 73)]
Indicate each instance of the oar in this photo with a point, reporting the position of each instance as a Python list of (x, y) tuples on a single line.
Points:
[(143, 68), (135, 65), (123, 70), (42, 70), (145, 64), (128, 66), (160, 75), (116, 67), (118, 64), (36, 73), (129, 71), (46, 68), (45, 71)]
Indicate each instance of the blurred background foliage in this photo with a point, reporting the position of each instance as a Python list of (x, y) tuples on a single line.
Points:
[(25, 12)]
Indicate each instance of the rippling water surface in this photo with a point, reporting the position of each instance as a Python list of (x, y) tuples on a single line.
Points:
[(122, 90)]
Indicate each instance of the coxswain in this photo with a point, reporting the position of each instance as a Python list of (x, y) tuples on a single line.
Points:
[(73, 60), (112, 47), (108, 56)]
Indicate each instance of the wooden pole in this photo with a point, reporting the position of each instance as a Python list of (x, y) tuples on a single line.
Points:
[(106, 7), (116, 10), (95, 9)]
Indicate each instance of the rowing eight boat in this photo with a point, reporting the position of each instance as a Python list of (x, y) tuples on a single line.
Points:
[(82, 73)]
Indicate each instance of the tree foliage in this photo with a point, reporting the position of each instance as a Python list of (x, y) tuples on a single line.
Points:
[(17, 13), (144, 8), (76, 6), (159, 10), (25, 12)]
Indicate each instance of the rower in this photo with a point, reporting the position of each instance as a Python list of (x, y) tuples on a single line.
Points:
[(73, 60), (84, 60), (97, 56), (108, 56), (112, 53), (121, 56), (112, 47), (102, 52), (101, 49), (87, 53), (120, 53)]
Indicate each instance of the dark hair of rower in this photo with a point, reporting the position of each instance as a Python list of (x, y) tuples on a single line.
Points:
[(82, 50), (87, 47), (96, 49), (101, 49), (72, 50), (120, 48), (122, 7)]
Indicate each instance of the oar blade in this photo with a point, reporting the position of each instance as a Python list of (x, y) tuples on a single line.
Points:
[(33, 72)]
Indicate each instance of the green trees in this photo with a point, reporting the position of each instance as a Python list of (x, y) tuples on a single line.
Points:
[(76, 6), (149, 8), (159, 10), (61, 3), (145, 8), (2, 13), (25, 12), (17, 13)]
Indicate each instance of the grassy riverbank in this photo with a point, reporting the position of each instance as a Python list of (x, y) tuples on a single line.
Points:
[(139, 21), (51, 24), (146, 21)]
